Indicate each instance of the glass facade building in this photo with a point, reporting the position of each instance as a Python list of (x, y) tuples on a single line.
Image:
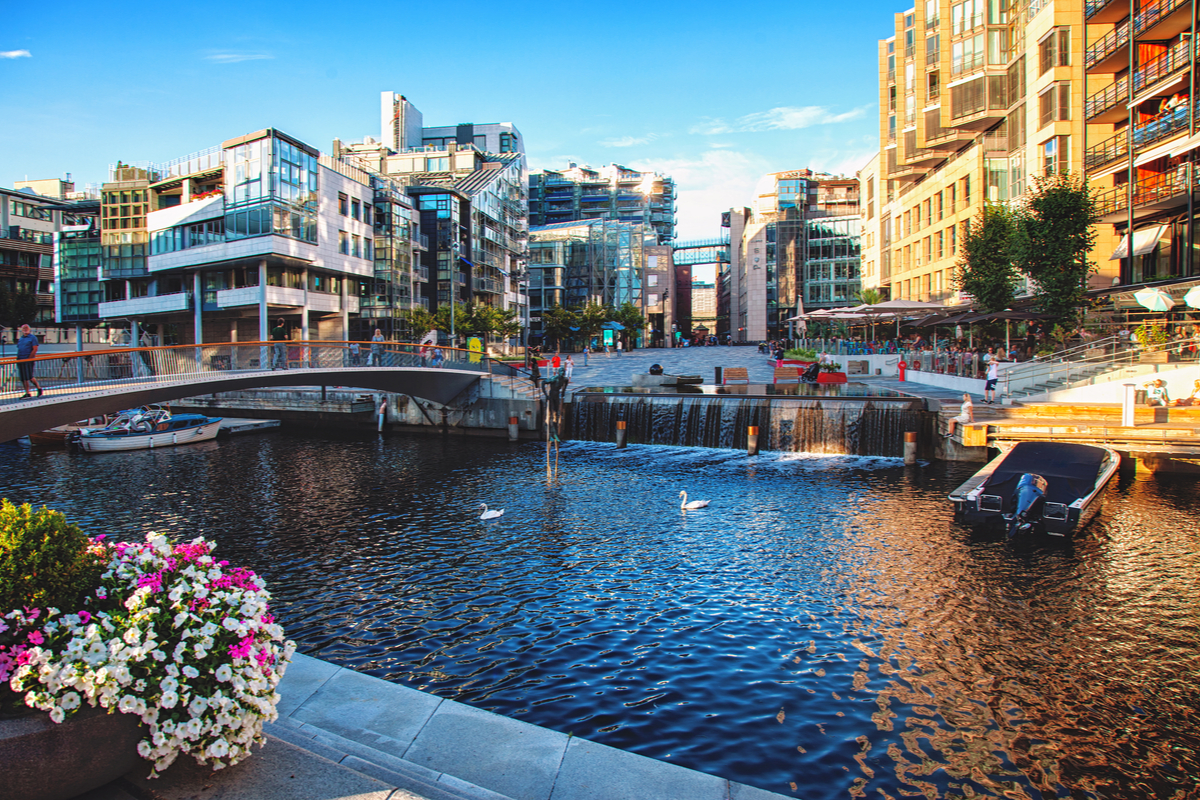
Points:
[(611, 192)]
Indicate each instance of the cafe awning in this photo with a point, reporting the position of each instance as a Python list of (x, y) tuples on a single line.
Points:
[(1144, 241)]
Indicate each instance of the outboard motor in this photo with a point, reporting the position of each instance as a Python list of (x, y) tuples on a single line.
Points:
[(811, 372), (1027, 504)]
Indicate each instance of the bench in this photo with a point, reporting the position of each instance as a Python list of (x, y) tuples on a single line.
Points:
[(734, 375), (787, 375)]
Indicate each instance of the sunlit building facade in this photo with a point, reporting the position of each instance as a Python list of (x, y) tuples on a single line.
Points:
[(610, 192), (976, 99)]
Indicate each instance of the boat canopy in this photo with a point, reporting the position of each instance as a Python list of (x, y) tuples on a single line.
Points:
[(1070, 469)]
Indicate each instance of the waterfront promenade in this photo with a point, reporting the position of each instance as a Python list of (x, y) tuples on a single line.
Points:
[(342, 735)]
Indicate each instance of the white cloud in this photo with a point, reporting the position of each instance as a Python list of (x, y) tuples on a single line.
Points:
[(629, 141), (15, 54), (714, 182), (784, 118), (234, 58)]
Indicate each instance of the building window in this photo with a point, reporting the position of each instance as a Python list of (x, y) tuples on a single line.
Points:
[(1055, 155), (437, 164), (343, 205), (953, 231), (1054, 104), (368, 249), (356, 246), (1054, 50), (355, 209), (366, 214), (343, 243)]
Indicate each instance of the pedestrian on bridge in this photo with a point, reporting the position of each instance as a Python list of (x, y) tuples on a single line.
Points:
[(279, 337), (27, 347), (377, 349)]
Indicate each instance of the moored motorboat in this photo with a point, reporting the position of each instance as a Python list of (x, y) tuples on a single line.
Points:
[(57, 437), (144, 429), (1049, 487)]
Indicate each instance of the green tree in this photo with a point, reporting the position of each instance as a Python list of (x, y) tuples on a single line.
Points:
[(591, 319), (631, 317), (870, 297), (985, 270), (506, 324), (461, 319), (419, 321), (557, 322), (1052, 236)]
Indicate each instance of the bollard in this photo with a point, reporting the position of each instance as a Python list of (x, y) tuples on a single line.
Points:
[(910, 447), (718, 375), (382, 414), (620, 434), (752, 440), (1127, 405), (514, 432)]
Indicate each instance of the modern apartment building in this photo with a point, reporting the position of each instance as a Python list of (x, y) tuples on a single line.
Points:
[(611, 192), (30, 224), (875, 269), (217, 245), (976, 98), (1142, 142), (796, 249), (613, 263), (468, 186)]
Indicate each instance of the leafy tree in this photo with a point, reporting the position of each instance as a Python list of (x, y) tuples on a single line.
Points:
[(870, 297), (591, 318), (1052, 236), (419, 321), (558, 322), (506, 324), (985, 270), (25, 308), (462, 318), (629, 316)]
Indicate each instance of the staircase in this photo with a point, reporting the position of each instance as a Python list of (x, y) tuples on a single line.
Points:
[(1102, 361)]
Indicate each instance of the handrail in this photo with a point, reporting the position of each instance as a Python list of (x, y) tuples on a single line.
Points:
[(1115, 352), (1102, 48), (71, 372)]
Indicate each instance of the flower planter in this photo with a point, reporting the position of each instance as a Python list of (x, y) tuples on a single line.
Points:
[(47, 761)]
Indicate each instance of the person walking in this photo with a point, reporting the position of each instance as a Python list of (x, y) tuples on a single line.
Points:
[(619, 346), (27, 347), (377, 348), (279, 337), (586, 350), (569, 368), (993, 377)]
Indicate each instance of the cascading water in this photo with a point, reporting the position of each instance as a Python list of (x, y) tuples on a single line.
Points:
[(853, 426)]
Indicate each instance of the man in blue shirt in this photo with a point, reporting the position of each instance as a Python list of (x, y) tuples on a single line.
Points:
[(27, 347)]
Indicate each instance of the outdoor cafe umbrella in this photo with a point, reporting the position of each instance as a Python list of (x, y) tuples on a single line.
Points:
[(1154, 299), (1192, 298)]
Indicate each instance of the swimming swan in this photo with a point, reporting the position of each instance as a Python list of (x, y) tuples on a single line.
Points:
[(684, 504), (490, 514)]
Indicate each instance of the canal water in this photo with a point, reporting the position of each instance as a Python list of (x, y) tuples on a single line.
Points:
[(823, 629)]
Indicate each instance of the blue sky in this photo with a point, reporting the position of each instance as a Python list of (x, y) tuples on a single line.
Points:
[(714, 94)]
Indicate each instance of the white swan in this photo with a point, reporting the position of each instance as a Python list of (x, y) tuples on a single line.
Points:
[(684, 504), (490, 514)]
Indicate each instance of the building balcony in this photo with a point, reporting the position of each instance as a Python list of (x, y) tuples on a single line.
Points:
[(1111, 53), (1162, 20), (1106, 152), (488, 286), (1151, 193), (1098, 11), (143, 306), (1170, 124), (206, 208), (1161, 68), (922, 157), (1108, 104)]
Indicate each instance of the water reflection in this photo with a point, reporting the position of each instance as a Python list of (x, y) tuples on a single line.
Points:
[(823, 625)]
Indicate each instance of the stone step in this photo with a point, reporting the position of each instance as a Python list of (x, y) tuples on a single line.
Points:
[(414, 779)]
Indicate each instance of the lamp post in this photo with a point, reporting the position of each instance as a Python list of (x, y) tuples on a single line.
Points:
[(453, 287)]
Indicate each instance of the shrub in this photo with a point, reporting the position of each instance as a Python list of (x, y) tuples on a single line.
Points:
[(801, 354), (45, 561)]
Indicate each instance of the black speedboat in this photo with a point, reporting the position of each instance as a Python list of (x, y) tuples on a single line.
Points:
[(1048, 487)]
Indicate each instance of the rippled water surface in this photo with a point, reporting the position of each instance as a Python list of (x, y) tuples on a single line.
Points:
[(823, 629)]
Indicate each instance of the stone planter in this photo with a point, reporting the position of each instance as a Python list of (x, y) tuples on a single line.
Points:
[(47, 761)]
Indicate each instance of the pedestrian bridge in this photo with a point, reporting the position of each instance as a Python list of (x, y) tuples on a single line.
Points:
[(83, 384)]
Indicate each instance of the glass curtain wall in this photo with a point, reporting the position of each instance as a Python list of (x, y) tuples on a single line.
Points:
[(271, 188)]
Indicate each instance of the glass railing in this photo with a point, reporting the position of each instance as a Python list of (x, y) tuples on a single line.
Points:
[(1153, 12), (1174, 59), (1093, 7), (1151, 189), (1167, 125), (1118, 37)]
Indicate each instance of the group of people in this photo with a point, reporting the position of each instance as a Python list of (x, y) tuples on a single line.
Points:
[(1157, 394)]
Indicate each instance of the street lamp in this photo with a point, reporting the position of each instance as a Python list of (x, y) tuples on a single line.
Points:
[(453, 288)]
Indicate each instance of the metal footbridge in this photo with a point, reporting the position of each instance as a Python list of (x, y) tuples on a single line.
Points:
[(83, 384)]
